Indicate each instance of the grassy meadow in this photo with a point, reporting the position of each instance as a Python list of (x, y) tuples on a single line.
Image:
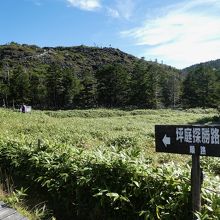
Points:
[(92, 128), (103, 162)]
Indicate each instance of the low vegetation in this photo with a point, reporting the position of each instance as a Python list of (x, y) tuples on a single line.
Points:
[(101, 164)]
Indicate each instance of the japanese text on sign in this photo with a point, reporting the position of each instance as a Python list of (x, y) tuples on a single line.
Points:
[(198, 135)]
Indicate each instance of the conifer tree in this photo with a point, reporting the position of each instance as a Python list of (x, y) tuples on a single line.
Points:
[(20, 86), (200, 88), (88, 94), (113, 86)]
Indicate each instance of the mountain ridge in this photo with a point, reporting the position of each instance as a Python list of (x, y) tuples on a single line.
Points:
[(80, 58), (86, 77), (82, 76)]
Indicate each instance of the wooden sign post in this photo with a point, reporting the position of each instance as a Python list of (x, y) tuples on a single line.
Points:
[(194, 140), (196, 184)]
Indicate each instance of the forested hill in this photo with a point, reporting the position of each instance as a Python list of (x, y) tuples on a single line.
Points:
[(69, 77), (215, 64), (88, 77)]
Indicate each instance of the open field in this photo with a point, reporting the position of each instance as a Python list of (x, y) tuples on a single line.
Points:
[(103, 162), (91, 128)]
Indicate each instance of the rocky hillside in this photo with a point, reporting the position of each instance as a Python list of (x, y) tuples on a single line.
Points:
[(80, 58), (81, 76)]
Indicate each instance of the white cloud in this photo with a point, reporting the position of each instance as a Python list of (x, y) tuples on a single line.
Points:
[(88, 5), (185, 34), (113, 12), (122, 9)]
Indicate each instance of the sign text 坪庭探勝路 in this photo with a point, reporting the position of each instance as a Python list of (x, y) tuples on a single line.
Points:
[(188, 139)]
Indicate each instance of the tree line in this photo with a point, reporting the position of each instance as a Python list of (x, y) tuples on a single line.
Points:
[(146, 86)]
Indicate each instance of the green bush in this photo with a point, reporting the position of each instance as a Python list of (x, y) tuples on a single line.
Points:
[(102, 184)]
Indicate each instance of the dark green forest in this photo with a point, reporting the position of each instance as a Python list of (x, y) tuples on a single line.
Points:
[(90, 77)]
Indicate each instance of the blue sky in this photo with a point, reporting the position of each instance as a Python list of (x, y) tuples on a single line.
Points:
[(179, 33)]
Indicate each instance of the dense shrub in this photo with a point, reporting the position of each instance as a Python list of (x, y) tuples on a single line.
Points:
[(102, 184), (121, 179)]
